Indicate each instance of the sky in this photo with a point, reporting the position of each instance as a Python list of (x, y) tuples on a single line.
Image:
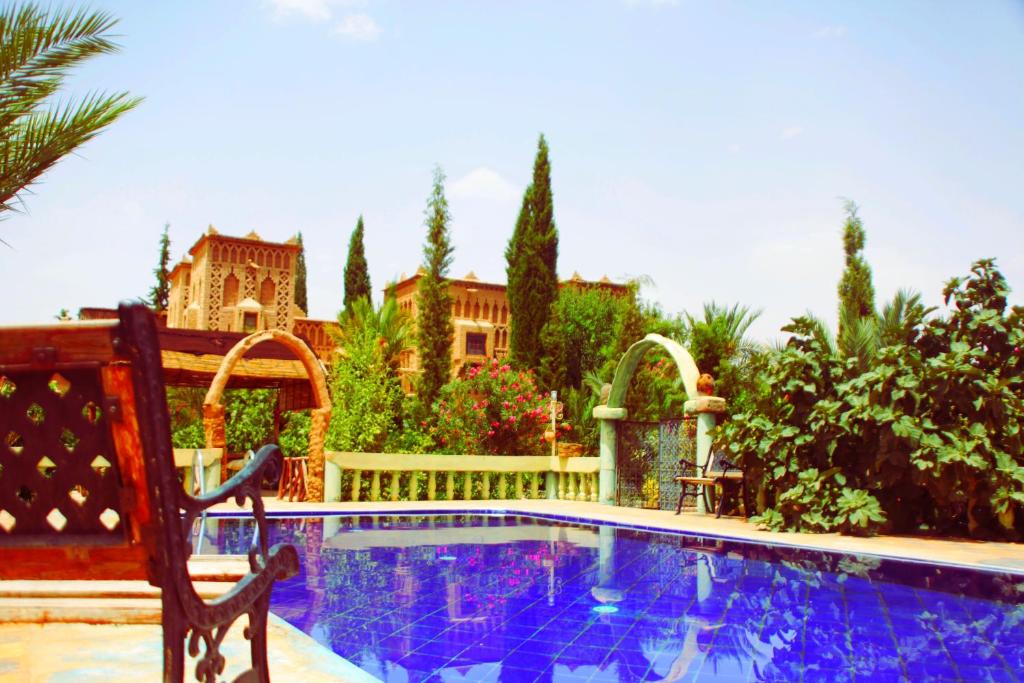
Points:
[(707, 147)]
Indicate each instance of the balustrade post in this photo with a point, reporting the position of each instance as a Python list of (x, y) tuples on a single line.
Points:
[(375, 486), (431, 485), (449, 487), (467, 488), (485, 486), (394, 485), (414, 485), (519, 485), (501, 486), (535, 486), (356, 481)]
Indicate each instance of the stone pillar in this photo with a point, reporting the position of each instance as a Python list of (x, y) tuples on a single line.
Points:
[(332, 482), (705, 408), (606, 482)]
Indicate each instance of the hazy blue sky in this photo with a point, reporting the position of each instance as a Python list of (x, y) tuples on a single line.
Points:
[(705, 145)]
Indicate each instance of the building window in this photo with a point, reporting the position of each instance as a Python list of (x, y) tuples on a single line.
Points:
[(267, 292), (476, 344), (230, 290), (249, 321)]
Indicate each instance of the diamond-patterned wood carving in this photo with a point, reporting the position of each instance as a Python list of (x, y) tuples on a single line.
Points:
[(57, 471)]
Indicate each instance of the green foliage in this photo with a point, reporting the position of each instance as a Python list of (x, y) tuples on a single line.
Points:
[(39, 48), (580, 337), (719, 346), (928, 436), (435, 324), (389, 325), (185, 407), (294, 438), (357, 272), (856, 291), (493, 410), (301, 298), (532, 256), (366, 394), (248, 418), (161, 290)]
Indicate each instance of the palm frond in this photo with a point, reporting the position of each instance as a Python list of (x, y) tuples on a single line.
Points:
[(38, 48)]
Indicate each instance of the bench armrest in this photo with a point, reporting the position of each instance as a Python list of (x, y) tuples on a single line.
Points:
[(244, 484)]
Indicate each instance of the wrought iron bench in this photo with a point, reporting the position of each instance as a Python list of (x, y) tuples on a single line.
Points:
[(88, 488), (695, 480)]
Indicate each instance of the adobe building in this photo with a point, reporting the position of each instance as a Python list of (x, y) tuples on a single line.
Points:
[(242, 284), (480, 318)]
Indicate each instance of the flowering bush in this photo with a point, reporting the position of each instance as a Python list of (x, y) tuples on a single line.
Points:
[(493, 409)]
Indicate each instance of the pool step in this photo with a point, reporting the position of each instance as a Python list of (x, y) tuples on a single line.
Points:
[(110, 602)]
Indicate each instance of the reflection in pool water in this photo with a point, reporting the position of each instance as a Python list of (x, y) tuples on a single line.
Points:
[(494, 598)]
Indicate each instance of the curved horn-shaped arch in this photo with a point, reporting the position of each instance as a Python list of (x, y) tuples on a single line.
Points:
[(213, 409), (627, 366)]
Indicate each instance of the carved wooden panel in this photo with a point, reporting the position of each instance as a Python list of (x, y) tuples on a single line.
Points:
[(58, 467)]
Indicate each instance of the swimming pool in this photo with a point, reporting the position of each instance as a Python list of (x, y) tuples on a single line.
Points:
[(472, 597)]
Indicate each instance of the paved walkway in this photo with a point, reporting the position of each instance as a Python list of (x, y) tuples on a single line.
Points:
[(1008, 557)]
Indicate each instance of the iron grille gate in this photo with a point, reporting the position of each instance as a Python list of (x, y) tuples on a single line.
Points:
[(647, 461)]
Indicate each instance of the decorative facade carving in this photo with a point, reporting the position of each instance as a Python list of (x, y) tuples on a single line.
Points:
[(238, 284)]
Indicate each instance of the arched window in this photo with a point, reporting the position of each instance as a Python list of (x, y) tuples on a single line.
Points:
[(476, 310), (458, 308), (494, 313), (487, 311), (504, 315), (230, 290), (267, 292)]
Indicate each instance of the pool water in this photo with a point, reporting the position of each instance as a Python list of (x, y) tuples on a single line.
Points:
[(512, 598)]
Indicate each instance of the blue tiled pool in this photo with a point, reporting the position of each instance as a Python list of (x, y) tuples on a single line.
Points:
[(511, 598)]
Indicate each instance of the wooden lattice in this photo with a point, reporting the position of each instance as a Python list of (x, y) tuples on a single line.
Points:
[(58, 469)]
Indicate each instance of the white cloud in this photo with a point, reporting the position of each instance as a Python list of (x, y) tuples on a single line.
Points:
[(791, 132), (830, 32), (315, 10), (484, 183), (657, 4), (358, 26)]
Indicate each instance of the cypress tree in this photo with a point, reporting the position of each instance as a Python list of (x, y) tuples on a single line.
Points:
[(161, 291), (434, 334), (856, 291), (532, 270), (357, 273), (301, 299)]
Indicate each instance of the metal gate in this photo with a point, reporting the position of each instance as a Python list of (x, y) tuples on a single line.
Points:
[(647, 461)]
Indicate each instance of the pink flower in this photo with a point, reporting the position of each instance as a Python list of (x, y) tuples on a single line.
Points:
[(495, 424), (491, 432), (511, 419)]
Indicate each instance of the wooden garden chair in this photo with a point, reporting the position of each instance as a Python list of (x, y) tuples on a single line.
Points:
[(89, 490)]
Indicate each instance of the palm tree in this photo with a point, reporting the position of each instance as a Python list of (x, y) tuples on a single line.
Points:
[(862, 337), (389, 325), (38, 48), (720, 335)]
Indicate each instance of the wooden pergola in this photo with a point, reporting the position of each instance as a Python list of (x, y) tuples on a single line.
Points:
[(191, 358)]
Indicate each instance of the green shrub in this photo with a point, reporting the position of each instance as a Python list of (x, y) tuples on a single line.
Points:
[(925, 435)]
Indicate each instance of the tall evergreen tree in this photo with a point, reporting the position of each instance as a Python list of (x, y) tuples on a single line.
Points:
[(301, 300), (357, 273), (434, 334), (856, 291), (532, 270), (161, 291)]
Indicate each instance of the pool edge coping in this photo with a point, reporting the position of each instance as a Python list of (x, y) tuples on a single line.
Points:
[(988, 568)]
